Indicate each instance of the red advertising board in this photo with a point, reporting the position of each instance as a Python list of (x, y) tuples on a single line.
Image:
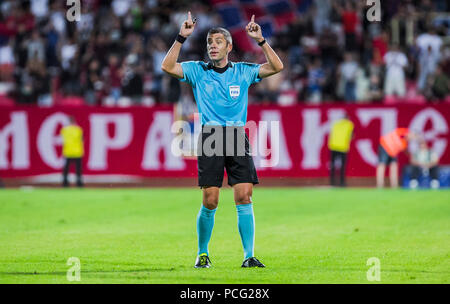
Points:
[(286, 141)]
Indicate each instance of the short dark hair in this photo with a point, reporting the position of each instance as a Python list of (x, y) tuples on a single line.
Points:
[(221, 30)]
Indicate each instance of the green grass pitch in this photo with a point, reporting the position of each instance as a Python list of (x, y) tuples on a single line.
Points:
[(303, 235)]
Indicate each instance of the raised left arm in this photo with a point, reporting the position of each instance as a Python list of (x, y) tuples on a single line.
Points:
[(273, 64)]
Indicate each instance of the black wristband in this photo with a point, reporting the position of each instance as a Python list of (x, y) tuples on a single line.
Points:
[(180, 38), (262, 42)]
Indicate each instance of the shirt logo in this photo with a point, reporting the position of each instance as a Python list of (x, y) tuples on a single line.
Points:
[(235, 91)]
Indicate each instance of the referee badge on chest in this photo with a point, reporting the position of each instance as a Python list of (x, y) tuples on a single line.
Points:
[(235, 91)]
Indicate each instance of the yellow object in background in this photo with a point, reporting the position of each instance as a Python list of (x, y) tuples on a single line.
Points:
[(72, 136), (341, 135)]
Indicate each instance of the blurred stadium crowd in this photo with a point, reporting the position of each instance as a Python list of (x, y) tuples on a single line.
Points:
[(332, 53)]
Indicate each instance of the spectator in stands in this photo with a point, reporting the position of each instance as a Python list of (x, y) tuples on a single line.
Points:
[(445, 62), (52, 38), (158, 54), (321, 17), (33, 83), (35, 47), (395, 82), (424, 163), (94, 83), (316, 80), (440, 85), (7, 66), (40, 82), (58, 17), (132, 82), (391, 145), (348, 71), (380, 48), (374, 92), (339, 144), (70, 79), (428, 62), (429, 39), (73, 150), (328, 43), (362, 85), (350, 21), (112, 76), (69, 51)]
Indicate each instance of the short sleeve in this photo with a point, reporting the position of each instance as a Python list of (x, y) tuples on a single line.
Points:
[(190, 72), (252, 72)]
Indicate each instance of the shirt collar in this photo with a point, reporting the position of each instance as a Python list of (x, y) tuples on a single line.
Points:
[(220, 70)]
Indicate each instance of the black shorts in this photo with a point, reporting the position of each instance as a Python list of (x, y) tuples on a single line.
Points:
[(222, 148), (383, 157)]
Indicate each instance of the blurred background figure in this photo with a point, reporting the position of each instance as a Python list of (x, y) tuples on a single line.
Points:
[(429, 45), (348, 72), (112, 75), (391, 145), (339, 144), (439, 85), (132, 81), (73, 150), (374, 92), (316, 81), (395, 80), (424, 163)]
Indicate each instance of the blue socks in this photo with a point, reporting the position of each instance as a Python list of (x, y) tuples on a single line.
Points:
[(205, 224), (246, 225)]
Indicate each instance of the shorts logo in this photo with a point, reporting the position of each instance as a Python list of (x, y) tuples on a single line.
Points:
[(235, 91)]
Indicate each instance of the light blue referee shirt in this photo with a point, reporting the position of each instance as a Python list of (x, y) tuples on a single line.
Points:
[(222, 98)]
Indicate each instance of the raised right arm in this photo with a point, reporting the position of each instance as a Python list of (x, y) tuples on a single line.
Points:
[(170, 64)]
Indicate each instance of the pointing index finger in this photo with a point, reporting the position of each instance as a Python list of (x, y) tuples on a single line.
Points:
[(253, 18), (189, 16)]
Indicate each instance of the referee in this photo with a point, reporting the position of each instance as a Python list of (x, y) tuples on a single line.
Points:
[(220, 89)]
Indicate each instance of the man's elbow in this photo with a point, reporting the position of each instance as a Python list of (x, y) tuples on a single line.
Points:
[(164, 68), (279, 68)]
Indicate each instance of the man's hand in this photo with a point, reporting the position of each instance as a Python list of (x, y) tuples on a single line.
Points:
[(273, 64), (188, 26), (254, 30)]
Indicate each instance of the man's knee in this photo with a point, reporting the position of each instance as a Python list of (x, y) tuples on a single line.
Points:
[(243, 197), (210, 198)]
